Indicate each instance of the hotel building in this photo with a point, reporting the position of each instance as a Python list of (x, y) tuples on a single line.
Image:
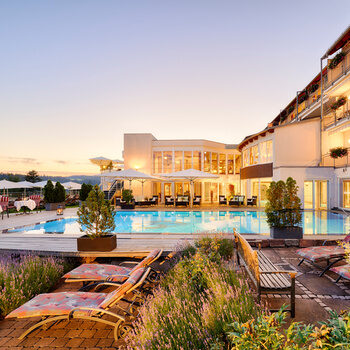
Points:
[(297, 143)]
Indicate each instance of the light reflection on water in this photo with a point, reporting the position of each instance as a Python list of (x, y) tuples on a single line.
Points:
[(314, 222)]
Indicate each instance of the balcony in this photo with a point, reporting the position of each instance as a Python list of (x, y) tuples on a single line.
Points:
[(342, 69), (327, 160), (335, 118)]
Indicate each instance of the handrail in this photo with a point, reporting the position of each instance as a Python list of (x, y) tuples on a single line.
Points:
[(336, 162)]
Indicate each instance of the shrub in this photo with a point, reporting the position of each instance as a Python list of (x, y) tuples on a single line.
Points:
[(54, 194), (127, 196), (283, 208), (96, 216), (24, 276), (59, 193), (192, 306), (84, 191)]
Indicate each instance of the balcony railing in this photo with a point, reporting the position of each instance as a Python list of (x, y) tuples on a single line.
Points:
[(334, 118), (340, 70), (342, 162)]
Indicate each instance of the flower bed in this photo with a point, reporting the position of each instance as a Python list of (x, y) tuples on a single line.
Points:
[(195, 302), (24, 276)]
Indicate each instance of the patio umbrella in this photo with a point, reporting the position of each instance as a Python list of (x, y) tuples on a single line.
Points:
[(5, 184), (191, 175), (42, 184), (130, 175), (71, 185)]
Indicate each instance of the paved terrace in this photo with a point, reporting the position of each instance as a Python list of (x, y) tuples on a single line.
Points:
[(315, 298)]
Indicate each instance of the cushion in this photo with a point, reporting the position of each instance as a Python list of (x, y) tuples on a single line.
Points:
[(343, 271), (321, 252), (97, 272), (62, 303)]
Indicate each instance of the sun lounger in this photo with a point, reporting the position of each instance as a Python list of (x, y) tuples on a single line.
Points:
[(252, 201), (153, 200), (169, 200), (98, 273), (182, 201), (197, 200), (330, 254), (81, 305), (222, 200)]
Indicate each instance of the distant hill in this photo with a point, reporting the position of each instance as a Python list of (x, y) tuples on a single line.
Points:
[(89, 179)]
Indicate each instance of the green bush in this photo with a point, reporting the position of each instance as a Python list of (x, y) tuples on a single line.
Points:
[(54, 194), (127, 196), (59, 193), (84, 191)]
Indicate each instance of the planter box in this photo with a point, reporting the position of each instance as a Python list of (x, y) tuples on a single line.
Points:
[(98, 244), (286, 232), (127, 206), (53, 206)]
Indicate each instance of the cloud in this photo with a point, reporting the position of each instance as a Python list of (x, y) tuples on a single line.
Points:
[(61, 162), (25, 160)]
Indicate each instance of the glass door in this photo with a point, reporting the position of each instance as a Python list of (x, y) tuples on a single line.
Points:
[(346, 193), (321, 194), (308, 195)]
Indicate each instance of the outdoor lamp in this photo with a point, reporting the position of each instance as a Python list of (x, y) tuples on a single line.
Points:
[(59, 210)]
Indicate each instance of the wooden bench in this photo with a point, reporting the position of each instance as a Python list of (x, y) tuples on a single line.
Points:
[(267, 278)]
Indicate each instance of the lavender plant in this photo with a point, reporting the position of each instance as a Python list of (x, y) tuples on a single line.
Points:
[(24, 276)]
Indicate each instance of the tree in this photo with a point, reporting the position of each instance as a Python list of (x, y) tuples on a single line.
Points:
[(84, 191), (96, 215), (32, 176), (13, 177), (59, 193), (49, 195)]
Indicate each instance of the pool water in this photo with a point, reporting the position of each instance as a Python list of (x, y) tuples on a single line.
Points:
[(254, 222)]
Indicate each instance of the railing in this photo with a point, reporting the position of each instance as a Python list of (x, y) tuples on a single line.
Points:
[(342, 162), (340, 70), (334, 118)]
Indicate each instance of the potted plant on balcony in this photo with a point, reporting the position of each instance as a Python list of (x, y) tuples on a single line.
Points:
[(336, 60), (283, 210), (54, 196), (128, 201), (338, 152), (340, 102), (96, 219)]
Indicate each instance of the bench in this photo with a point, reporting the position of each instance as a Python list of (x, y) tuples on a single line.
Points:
[(267, 278)]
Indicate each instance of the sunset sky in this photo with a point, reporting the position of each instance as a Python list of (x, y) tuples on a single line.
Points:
[(77, 75)]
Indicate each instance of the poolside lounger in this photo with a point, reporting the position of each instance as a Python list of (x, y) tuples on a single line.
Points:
[(342, 271), (98, 273), (153, 200), (222, 200), (169, 200), (81, 305), (330, 254), (182, 200), (197, 200), (252, 201)]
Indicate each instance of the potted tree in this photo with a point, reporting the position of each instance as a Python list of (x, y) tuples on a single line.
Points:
[(283, 210), (96, 219), (128, 201), (54, 196)]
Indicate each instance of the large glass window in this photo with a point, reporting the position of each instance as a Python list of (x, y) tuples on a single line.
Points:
[(222, 163), (157, 162), (346, 194), (264, 185), (230, 164), (179, 189), (237, 163), (167, 162), (321, 194), (214, 163), (178, 160), (187, 160), (254, 155), (308, 195), (197, 160), (207, 162), (246, 157), (266, 152)]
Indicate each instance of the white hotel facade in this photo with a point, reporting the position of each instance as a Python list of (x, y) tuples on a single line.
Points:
[(296, 143)]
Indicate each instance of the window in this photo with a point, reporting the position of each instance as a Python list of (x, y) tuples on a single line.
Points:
[(246, 155), (207, 162), (157, 162), (178, 160), (214, 163), (237, 163), (222, 163), (346, 194), (197, 160), (167, 162), (266, 152), (230, 164), (187, 160), (308, 195), (254, 155)]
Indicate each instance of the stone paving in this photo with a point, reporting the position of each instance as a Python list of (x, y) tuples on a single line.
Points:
[(315, 298)]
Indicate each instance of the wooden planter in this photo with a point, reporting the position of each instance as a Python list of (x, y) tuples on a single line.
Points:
[(286, 232), (98, 244), (54, 206)]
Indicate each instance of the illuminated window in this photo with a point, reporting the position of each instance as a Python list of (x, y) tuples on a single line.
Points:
[(246, 154), (197, 160), (237, 163), (266, 152), (346, 194), (157, 162), (230, 164), (187, 160), (254, 155), (178, 160), (214, 163), (222, 163), (167, 162), (207, 162)]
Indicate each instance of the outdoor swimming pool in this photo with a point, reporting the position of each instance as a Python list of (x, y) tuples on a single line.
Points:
[(314, 222)]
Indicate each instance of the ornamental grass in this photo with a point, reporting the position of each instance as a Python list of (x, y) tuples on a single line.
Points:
[(195, 302), (24, 276)]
